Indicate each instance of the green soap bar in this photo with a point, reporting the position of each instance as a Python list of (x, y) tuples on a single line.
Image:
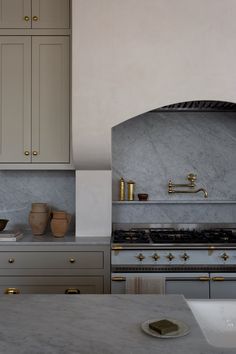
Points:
[(163, 326)]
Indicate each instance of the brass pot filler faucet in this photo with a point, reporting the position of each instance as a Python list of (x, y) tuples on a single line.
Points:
[(191, 185)]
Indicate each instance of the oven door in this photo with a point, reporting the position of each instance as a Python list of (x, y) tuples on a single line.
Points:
[(191, 285)]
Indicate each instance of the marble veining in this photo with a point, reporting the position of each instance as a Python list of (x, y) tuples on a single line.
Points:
[(18, 189), (155, 147), (101, 324)]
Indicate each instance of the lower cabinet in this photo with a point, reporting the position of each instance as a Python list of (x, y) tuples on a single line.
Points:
[(51, 285), (60, 269)]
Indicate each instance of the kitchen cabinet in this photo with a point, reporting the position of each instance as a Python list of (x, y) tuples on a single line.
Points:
[(34, 14), (55, 269), (34, 95)]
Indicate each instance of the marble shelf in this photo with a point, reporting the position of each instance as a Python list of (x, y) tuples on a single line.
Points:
[(203, 201)]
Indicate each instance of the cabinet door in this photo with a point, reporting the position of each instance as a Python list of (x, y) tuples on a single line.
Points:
[(15, 99), (50, 14), (223, 286), (50, 99), (15, 13)]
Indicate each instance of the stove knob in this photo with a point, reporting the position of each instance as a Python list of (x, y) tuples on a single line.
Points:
[(140, 256), (170, 256), (185, 257), (155, 257), (224, 256)]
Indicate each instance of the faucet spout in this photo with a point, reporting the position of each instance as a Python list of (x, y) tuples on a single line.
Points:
[(202, 190)]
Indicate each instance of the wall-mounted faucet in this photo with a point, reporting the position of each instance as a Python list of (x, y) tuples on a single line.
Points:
[(191, 185)]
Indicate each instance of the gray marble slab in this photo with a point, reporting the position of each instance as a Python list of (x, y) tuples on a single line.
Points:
[(89, 324)]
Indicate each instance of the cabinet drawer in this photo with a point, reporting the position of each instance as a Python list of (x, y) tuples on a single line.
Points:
[(52, 285), (66, 260)]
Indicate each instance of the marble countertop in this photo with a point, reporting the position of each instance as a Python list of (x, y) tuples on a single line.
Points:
[(69, 239), (101, 324)]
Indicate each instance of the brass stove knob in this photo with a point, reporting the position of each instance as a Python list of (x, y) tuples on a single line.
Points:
[(155, 257), (185, 257), (170, 256), (224, 256), (140, 257)]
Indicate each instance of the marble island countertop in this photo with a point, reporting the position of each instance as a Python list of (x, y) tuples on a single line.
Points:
[(101, 324)]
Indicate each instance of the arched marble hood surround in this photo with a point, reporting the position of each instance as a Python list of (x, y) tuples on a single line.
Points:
[(132, 56)]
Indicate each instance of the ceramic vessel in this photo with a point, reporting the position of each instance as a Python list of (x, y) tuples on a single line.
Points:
[(60, 223), (38, 218)]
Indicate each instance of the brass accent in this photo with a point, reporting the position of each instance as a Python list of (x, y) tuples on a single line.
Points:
[(155, 257), (122, 190), (26, 153), (204, 278), (118, 278), (72, 291), (12, 291), (35, 18), (218, 278), (224, 256), (35, 153), (170, 257), (191, 185), (140, 257), (185, 256), (72, 260), (26, 18), (116, 248), (130, 190), (11, 260)]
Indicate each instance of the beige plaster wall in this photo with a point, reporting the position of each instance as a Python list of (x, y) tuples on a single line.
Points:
[(131, 56)]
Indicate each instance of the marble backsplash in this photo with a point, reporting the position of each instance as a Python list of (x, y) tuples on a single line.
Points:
[(21, 188), (155, 147)]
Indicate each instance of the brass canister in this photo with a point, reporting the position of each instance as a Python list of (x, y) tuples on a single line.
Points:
[(122, 190), (130, 190)]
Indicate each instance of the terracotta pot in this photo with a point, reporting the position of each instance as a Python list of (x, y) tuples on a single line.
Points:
[(60, 223), (39, 207), (38, 222)]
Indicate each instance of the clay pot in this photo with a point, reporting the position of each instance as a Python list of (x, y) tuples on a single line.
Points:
[(38, 218), (60, 223)]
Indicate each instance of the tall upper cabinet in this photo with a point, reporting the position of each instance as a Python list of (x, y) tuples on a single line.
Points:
[(34, 14), (34, 84)]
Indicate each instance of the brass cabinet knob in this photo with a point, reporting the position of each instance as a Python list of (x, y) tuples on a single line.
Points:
[(72, 291), (26, 153), (155, 257), (26, 18), (170, 256), (35, 18), (224, 256), (72, 260), (11, 260), (140, 257), (12, 291), (185, 257), (35, 153)]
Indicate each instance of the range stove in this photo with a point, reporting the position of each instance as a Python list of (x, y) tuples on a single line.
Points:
[(195, 260)]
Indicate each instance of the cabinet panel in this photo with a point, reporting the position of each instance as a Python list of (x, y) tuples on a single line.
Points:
[(42, 260), (50, 99), (52, 285), (13, 13), (50, 13), (15, 99), (223, 286)]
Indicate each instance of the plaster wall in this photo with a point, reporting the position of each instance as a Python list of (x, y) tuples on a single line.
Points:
[(135, 55)]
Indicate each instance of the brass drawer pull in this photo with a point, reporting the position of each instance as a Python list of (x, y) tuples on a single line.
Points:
[(26, 153), (11, 260), (118, 278), (12, 291), (26, 18), (72, 260), (72, 291), (218, 278), (35, 153), (35, 18)]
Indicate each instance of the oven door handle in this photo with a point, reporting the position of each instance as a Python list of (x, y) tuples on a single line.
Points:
[(188, 278), (114, 278)]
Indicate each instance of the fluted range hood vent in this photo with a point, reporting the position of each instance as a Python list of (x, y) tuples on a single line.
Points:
[(200, 106)]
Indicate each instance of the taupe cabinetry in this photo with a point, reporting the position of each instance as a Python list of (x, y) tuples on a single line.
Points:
[(34, 94), (63, 270), (34, 14)]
